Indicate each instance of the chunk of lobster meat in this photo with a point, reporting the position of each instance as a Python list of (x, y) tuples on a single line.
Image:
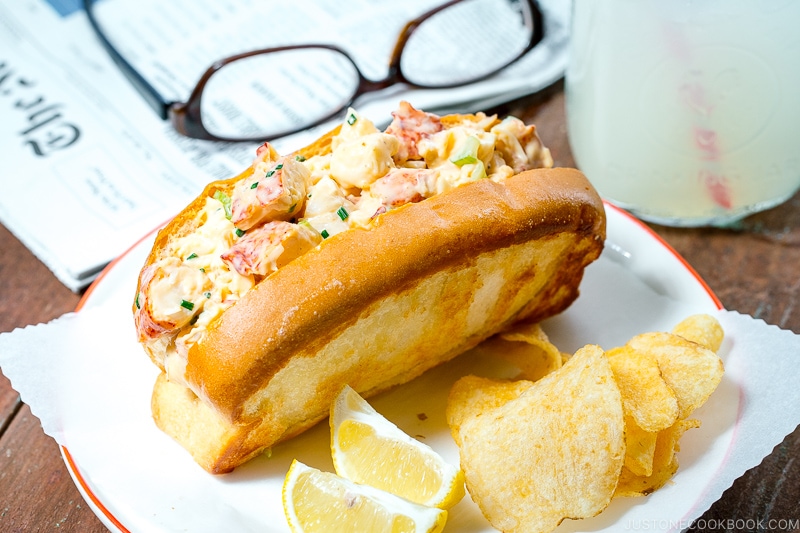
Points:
[(265, 154), (277, 194), (410, 125), (266, 248), (403, 186), (520, 145), (170, 295)]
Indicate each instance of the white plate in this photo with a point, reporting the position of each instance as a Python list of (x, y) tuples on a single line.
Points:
[(137, 479)]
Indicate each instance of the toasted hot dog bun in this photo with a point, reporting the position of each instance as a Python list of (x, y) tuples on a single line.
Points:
[(376, 307)]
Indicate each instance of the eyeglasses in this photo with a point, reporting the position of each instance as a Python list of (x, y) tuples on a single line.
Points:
[(268, 93)]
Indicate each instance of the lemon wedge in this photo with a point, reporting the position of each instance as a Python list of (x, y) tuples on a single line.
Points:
[(317, 501), (367, 448)]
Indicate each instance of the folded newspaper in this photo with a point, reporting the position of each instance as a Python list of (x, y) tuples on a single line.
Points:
[(89, 168)]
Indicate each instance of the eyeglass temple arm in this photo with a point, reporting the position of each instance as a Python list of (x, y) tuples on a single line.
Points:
[(154, 99)]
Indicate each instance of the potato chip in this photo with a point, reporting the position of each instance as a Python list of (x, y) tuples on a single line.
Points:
[(536, 452), (532, 333), (645, 395), (473, 395), (527, 347), (640, 448), (703, 329), (554, 452), (691, 371), (665, 463)]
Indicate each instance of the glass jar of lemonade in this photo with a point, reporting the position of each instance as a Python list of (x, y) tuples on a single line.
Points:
[(686, 113)]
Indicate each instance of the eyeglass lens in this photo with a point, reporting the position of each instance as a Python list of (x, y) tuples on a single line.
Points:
[(275, 93), (269, 94), (466, 42)]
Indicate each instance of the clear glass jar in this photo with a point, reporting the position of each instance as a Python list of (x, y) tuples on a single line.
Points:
[(686, 113)]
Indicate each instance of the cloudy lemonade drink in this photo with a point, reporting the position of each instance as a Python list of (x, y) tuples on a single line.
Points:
[(686, 113)]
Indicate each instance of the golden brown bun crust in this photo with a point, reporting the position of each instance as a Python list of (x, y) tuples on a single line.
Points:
[(376, 308), (323, 292)]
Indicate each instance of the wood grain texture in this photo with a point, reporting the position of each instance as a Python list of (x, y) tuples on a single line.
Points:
[(36, 491), (753, 268)]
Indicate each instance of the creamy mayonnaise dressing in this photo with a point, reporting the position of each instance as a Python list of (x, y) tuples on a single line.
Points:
[(289, 205)]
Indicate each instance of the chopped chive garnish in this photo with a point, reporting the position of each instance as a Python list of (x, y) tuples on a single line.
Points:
[(254, 185), (342, 212), (136, 301), (203, 270), (299, 158), (325, 234), (207, 294), (191, 256), (239, 232), (187, 305), (226, 202), (279, 166), (352, 118), (269, 174), (292, 208)]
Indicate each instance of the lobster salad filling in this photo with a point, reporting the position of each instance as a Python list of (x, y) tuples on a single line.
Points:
[(289, 205)]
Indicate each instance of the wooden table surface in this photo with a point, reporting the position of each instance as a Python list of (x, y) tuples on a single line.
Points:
[(754, 269)]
